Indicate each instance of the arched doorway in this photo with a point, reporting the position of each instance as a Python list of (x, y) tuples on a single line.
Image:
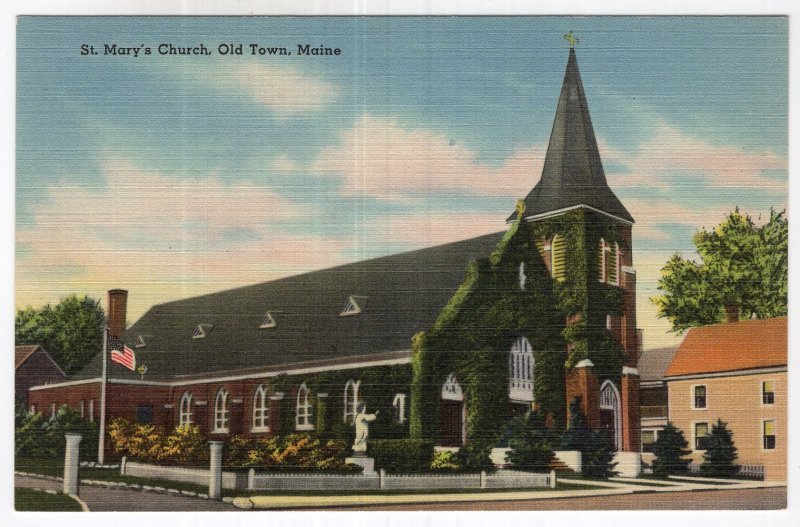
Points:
[(452, 415), (610, 415)]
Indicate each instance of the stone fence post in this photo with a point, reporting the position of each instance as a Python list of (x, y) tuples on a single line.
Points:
[(71, 456), (215, 470)]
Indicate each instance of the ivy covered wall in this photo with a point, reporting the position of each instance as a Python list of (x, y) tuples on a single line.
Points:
[(474, 333)]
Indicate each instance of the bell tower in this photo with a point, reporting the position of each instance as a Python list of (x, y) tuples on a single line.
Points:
[(583, 233)]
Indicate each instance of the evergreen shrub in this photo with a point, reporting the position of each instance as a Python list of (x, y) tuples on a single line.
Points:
[(669, 450), (718, 460), (531, 443), (401, 455)]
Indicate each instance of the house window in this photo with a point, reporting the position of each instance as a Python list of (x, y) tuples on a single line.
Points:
[(768, 392), (32, 409), (350, 401), (520, 366), (522, 276), (144, 414), (82, 405), (558, 251), (185, 416), (302, 418), (52, 410), (261, 410), (699, 397), (221, 412), (700, 436), (399, 405), (769, 435), (649, 438), (91, 410)]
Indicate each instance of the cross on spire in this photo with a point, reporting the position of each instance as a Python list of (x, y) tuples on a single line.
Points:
[(572, 39)]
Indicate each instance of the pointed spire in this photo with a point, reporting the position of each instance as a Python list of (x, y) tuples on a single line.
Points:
[(573, 173)]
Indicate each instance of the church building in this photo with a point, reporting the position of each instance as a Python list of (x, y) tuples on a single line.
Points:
[(448, 342)]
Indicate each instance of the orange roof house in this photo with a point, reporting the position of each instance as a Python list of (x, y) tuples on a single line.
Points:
[(744, 345)]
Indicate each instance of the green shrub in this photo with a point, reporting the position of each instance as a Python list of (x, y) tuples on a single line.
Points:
[(474, 455), (670, 449), (149, 443), (598, 460), (718, 461), (38, 436), (531, 443), (401, 455), (444, 460)]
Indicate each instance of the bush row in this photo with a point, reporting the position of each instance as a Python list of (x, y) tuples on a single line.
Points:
[(38, 436)]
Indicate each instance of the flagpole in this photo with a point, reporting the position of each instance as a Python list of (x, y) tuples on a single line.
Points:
[(101, 443)]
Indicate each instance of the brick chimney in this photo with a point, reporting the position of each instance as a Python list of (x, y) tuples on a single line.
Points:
[(117, 309), (731, 313)]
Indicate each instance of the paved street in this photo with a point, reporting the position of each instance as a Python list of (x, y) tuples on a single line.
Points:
[(105, 499), (739, 499)]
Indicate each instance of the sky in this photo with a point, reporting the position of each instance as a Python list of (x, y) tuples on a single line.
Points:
[(173, 176)]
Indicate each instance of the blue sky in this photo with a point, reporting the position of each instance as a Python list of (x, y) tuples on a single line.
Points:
[(174, 176)]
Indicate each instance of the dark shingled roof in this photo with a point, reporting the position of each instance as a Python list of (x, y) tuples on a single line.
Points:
[(22, 352), (399, 295), (654, 362), (573, 173)]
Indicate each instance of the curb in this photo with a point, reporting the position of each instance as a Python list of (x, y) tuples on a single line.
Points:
[(122, 485)]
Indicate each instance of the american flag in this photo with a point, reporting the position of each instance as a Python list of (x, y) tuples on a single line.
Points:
[(122, 354)]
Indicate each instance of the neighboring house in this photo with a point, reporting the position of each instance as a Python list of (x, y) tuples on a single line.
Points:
[(735, 372), (653, 396), (300, 353), (33, 366)]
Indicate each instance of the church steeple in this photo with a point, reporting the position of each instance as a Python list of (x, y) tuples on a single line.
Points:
[(573, 173)]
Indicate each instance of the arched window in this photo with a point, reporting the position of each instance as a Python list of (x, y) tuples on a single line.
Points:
[(221, 412), (185, 415), (261, 410), (302, 419), (451, 390), (558, 251), (520, 371), (399, 405), (350, 400)]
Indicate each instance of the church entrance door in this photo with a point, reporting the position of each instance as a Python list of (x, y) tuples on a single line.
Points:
[(452, 429)]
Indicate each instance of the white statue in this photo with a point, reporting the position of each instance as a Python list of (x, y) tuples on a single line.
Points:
[(362, 421)]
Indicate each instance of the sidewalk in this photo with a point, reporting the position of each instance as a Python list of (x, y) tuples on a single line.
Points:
[(612, 487)]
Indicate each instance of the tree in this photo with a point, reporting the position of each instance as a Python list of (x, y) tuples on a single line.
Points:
[(670, 449), (71, 332), (531, 443), (578, 435), (597, 452), (718, 460), (741, 265)]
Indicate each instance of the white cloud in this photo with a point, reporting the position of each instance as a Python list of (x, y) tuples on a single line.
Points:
[(380, 158), (283, 89), (162, 238)]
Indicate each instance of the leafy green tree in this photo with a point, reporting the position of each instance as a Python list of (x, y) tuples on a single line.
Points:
[(670, 449), (71, 331), (741, 264), (718, 460), (531, 443)]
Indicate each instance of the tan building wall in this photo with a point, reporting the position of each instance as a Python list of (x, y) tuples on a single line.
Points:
[(737, 400)]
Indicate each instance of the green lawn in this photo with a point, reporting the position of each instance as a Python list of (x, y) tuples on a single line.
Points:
[(38, 501)]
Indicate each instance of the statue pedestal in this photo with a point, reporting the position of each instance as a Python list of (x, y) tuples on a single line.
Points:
[(363, 461)]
